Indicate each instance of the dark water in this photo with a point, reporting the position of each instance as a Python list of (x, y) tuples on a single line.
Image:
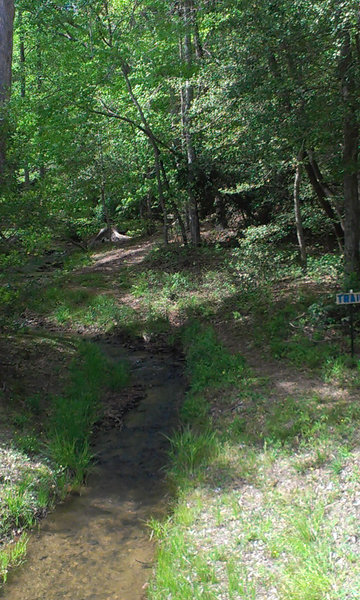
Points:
[(96, 546)]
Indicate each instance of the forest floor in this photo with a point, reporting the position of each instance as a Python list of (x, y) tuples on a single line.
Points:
[(266, 467)]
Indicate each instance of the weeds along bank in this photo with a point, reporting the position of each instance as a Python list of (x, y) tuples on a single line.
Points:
[(51, 454), (268, 488)]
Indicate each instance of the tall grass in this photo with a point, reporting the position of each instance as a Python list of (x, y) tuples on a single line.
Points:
[(208, 365), (12, 556), (183, 572), (77, 410)]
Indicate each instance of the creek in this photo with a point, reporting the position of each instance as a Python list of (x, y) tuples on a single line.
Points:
[(96, 545)]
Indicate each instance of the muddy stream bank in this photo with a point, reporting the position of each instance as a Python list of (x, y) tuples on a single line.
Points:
[(96, 545)]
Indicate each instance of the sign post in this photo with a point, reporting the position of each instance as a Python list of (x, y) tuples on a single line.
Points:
[(350, 299)]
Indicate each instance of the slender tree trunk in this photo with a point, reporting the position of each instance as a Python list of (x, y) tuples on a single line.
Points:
[(187, 100), (174, 205), (6, 47), (297, 209), (109, 23), (155, 148), (327, 191), (23, 89), (159, 166), (103, 187), (351, 195), (324, 203), (42, 168), (350, 158), (220, 210), (310, 164), (161, 194)]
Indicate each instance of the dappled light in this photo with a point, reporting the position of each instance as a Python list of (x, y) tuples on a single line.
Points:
[(179, 291)]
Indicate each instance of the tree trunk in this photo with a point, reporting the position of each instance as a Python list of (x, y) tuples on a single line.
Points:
[(159, 166), (161, 194), (350, 158), (328, 192), (39, 75), (351, 195), (220, 210), (297, 209), (152, 140), (23, 89), (103, 185), (6, 47), (174, 205), (324, 203), (187, 99)]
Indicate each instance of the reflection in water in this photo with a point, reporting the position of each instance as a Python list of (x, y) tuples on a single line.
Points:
[(96, 546)]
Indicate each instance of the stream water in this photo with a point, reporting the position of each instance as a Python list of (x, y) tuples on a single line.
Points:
[(96, 545)]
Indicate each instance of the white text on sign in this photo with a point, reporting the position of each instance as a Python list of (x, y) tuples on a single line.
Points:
[(350, 298)]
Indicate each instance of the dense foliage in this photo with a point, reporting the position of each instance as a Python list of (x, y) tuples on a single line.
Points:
[(126, 113)]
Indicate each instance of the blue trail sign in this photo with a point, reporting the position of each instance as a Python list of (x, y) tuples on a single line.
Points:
[(349, 298)]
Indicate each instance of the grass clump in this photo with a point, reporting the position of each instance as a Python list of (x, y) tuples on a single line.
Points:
[(296, 332), (81, 306), (13, 555), (75, 413), (17, 508), (196, 445), (190, 451), (182, 571), (28, 489), (309, 574)]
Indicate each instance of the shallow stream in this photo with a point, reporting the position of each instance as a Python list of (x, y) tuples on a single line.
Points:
[(96, 545)]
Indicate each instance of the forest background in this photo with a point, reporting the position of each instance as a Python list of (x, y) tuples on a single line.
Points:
[(126, 112)]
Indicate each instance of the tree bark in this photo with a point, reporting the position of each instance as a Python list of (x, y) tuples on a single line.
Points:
[(42, 168), (328, 192), (161, 193), (6, 47), (297, 210), (324, 203), (174, 205), (103, 186), (152, 140), (351, 195), (23, 89), (350, 158), (187, 97)]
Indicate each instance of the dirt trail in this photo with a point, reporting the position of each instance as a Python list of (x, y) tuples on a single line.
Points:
[(128, 255), (282, 379)]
